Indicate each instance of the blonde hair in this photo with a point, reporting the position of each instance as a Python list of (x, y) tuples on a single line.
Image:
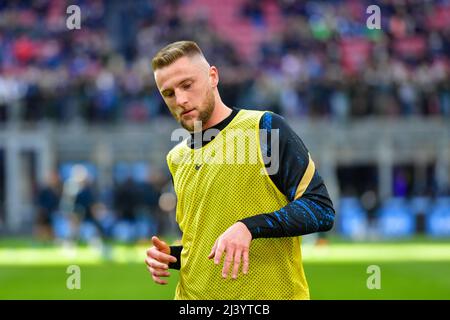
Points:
[(172, 52)]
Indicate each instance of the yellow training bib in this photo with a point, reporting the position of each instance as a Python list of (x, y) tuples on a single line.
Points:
[(217, 185)]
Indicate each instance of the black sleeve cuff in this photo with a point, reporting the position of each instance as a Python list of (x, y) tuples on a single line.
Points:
[(254, 225), (176, 252)]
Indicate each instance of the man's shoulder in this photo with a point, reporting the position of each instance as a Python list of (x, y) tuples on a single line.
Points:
[(176, 150), (271, 120), (253, 112), (257, 114), (267, 119)]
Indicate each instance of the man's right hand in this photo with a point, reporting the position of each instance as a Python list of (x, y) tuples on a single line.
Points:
[(158, 259)]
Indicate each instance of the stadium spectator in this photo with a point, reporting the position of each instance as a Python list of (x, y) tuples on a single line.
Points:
[(127, 200), (101, 72), (47, 205)]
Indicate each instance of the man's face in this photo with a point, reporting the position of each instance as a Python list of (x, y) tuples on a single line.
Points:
[(187, 87)]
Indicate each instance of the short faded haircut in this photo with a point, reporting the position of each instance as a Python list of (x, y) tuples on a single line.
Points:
[(174, 51)]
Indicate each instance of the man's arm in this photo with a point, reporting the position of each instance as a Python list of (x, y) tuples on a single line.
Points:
[(310, 208)]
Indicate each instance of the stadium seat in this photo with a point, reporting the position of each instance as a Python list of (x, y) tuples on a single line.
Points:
[(395, 219), (438, 221), (353, 221)]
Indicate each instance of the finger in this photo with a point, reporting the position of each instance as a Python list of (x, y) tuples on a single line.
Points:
[(156, 264), (245, 262), (161, 245), (228, 261), (156, 278), (160, 256), (237, 263), (159, 272), (159, 280), (219, 251), (211, 254)]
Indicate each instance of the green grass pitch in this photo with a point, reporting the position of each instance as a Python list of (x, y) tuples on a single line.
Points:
[(409, 270)]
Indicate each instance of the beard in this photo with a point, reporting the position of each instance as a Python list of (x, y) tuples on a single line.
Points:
[(204, 113)]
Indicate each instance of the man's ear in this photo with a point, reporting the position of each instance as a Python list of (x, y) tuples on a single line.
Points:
[(214, 76)]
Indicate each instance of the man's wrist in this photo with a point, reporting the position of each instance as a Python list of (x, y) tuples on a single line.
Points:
[(250, 227)]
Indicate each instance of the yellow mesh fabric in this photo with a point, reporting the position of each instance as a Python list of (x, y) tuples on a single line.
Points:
[(212, 196)]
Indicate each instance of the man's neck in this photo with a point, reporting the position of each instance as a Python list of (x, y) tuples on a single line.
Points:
[(221, 112), (196, 140)]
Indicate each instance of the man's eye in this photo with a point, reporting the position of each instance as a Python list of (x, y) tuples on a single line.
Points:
[(168, 95), (187, 86)]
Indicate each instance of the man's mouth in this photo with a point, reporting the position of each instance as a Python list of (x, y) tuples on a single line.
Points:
[(187, 112)]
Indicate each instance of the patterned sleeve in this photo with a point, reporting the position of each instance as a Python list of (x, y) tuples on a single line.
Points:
[(310, 208)]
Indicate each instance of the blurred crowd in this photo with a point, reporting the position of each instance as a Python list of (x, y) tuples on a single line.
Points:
[(73, 208), (322, 61)]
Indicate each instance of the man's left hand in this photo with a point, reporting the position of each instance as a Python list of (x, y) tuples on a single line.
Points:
[(235, 242)]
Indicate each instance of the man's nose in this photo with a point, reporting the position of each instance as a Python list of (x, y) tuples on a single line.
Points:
[(181, 99)]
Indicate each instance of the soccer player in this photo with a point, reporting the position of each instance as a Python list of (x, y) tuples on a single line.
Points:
[(234, 215)]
